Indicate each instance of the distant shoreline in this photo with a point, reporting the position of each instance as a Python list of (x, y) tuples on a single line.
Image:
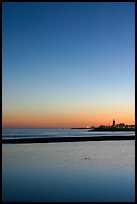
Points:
[(80, 128), (66, 139), (111, 130), (107, 129)]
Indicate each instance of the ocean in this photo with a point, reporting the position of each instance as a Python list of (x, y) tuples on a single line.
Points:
[(92, 171), (9, 133)]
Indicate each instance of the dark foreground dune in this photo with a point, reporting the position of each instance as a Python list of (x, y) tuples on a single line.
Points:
[(66, 139)]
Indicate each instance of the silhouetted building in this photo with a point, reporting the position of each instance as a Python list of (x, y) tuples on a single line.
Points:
[(113, 122)]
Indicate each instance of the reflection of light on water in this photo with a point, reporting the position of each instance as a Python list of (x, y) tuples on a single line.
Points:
[(86, 171), (30, 133)]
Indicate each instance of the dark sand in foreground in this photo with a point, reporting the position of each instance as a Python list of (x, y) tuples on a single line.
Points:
[(66, 139)]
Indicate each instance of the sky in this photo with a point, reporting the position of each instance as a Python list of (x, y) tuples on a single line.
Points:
[(67, 64)]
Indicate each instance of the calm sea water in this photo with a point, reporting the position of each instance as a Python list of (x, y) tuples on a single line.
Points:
[(31, 133), (94, 171)]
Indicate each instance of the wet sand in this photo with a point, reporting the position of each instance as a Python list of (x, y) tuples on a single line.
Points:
[(69, 172), (66, 139)]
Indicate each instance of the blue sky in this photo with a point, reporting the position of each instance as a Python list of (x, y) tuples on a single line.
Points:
[(68, 55)]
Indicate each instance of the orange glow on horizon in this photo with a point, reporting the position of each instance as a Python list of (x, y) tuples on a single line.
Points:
[(63, 119)]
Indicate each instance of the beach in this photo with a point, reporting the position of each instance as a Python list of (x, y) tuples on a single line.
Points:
[(68, 113), (66, 139), (102, 171)]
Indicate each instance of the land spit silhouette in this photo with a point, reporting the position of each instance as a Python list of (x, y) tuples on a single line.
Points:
[(113, 127)]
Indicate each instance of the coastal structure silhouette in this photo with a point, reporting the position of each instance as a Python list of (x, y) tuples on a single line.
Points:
[(114, 127)]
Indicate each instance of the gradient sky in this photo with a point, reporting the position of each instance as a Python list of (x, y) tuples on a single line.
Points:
[(68, 64)]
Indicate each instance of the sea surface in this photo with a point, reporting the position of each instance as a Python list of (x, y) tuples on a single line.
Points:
[(8, 133), (93, 171)]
